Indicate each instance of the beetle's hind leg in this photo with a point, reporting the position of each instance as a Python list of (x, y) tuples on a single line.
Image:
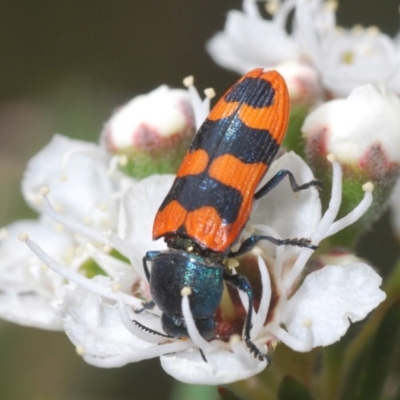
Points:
[(250, 242), (241, 283), (279, 176)]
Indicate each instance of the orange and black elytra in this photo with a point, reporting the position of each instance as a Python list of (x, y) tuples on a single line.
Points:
[(211, 200)]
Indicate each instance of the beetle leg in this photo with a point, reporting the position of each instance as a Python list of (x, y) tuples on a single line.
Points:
[(279, 176), (250, 242), (241, 283), (148, 257)]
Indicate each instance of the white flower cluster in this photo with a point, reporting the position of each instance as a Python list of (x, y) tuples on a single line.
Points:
[(89, 211), (315, 55)]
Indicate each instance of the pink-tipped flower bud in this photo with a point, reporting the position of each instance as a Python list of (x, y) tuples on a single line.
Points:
[(363, 133), (303, 83), (152, 131)]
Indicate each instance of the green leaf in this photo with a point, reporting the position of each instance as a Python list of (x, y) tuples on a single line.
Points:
[(226, 394), (381, 353), (292, 389)]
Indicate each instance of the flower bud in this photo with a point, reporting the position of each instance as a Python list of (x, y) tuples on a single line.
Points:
[(302, 82), (152, 131), (305, 90), (363, 134)]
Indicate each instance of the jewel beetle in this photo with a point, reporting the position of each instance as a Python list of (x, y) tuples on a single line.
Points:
[(211, 200)]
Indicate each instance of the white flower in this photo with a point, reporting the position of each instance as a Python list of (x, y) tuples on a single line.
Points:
[(249, 41), (342, 58), (81, 188), (77, 174), (346, 58), (362, 130), (97, 313), (27, 287)]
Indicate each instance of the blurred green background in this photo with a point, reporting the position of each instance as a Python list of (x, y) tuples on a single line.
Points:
[(65, 65)]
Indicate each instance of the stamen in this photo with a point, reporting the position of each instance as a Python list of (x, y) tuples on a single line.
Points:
[(116, 287), (250, 8), (186, 291), (59, 228), (256, 251), (279, 250), (44, 190), (306, 24), (357, 29), (80, 350), (188, 81), (106, 249), (23, 237), (138, 354), (234, 339), (373, 30), (331, 5), (113, 165), (106, 238), (271, 7), (88, 284), (210, 93), (260, 317), (291, 341), (244, 299), (113, 267), (200, 108), (232, 263), (3, 233), (242, 295), (123, 160), (334, 204), (193, 332), (323, 226), (355, 214), (74, 226)]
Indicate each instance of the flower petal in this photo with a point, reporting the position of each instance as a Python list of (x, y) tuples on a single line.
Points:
[(248, 42), (291, 214), (223, 366), (28, 288), (139, 206), (329, 299), (29, 310), (94, 324), (81, 188)]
